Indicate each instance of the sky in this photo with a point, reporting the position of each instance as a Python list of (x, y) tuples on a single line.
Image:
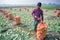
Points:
[(28, 2)]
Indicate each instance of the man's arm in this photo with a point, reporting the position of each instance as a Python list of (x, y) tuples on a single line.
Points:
[(34, 14), (42, 16)]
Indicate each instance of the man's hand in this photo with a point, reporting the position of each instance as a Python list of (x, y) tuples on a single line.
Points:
[(42, 21), (35, 16)]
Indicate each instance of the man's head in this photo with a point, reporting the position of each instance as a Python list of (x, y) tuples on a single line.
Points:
[(39, 4)]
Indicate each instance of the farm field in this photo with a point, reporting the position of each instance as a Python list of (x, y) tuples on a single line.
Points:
[(24, 31)]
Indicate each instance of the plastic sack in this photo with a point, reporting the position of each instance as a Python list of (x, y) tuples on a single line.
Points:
[(17, 20), (41, 30)]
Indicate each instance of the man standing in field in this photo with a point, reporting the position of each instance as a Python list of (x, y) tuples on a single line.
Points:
[(38, 15)]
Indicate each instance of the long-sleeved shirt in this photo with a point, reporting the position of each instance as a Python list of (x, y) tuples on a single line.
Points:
[(38, 13)]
